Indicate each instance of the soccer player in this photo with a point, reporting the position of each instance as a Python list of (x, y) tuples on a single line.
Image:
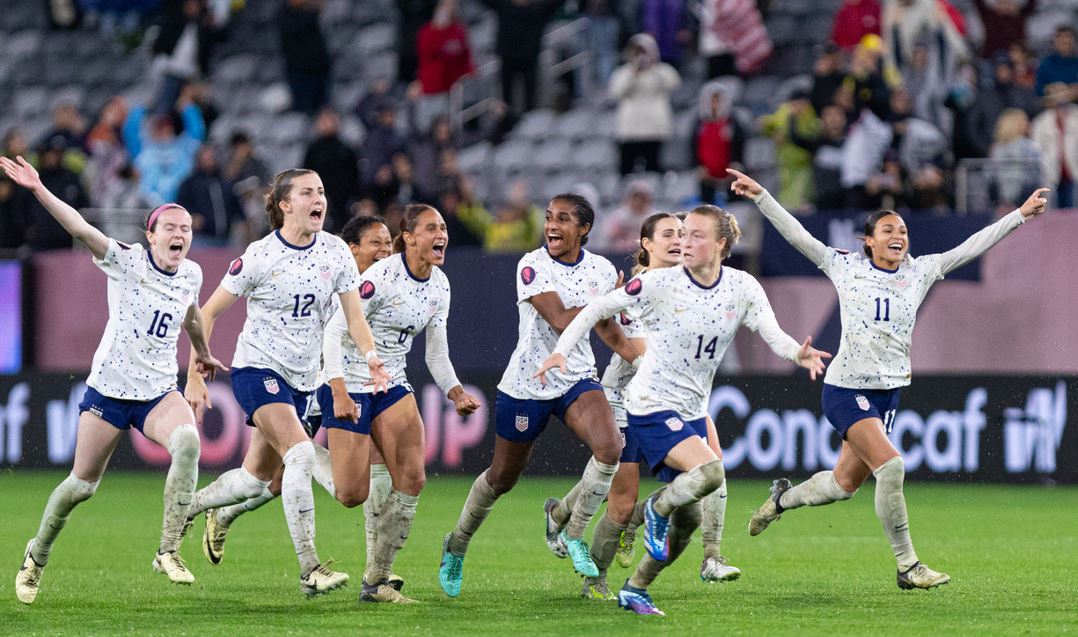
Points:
[(289, 278), (369, 241), (402, 296), (133, 378), (554, 282), (691, 313), (879, 294)]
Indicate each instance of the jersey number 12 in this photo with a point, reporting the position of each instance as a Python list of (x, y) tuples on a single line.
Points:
[(306, 309)]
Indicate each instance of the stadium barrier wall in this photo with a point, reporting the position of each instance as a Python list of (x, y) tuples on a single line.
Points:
[(949, 428)]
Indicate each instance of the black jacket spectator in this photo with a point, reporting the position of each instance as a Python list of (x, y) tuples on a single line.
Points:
[(520, 39), (306, 58), (210, 199), (336, 163), (413, 15), (15, 211), (175, 16), (44, 233), (379, 115), (991, 102)]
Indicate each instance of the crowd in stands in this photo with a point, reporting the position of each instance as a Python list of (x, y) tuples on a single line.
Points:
[(901, 93)]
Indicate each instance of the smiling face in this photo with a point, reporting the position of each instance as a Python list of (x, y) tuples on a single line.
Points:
[(563, 230), (429, 238), (701, 245), (888, 242), (664, 246), (305, 206), (374, 245), (170, 238)]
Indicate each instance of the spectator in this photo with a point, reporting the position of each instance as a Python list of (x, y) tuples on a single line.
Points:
[(450, 203), (383, 140), (1061, 65), (667, 22), (932, 22), (248, 177), (919, 144), (827, 77), (336, 163), (886, 189), (413, 15), (1024, 63), (1017, 160), (866, 86), (108, 155), (15, 144), (854, 20), (109, 125), (794, 162), (826, 148), (923, 79), (619, 232), (738, 23), (15, 212), (643, 87), (123, 206), (444, 53), (182, 48), (517, 226), (215, 211), (163, 157), (992, 101), (604, 28), (520, 33), (68, 124), (43, 233), (1004, 23), (404, 176), (1055, 132), (717, 50), (719, 141), (866, 144), (306, 58), (201, 95), (960, 101), (928, 191), (427, 151)]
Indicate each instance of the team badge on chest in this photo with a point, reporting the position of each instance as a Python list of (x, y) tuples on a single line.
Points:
[(271, 385)]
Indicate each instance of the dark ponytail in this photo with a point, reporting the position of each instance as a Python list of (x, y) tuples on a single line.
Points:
[(585, 214), (278, 192), (647, 231), (408, 223), (870, 226)]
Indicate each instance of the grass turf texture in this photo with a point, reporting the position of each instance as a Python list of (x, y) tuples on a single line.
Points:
[(1012, 554)]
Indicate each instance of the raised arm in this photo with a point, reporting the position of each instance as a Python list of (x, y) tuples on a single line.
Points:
[(196, 392), (788, 226), (981, 241), (360, 331), (26, 176)]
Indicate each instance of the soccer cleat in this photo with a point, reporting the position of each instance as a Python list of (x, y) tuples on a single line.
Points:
[(920, 576), (171, 564), (28, 579), (213, 538), (451, 572), (714, 569), (655, 528), (553, 531), (383, 592), (321, 580), (396, 581), (596, 589), (581, 555), (770, 510), (624, 554), (637, 600), (185, 528)]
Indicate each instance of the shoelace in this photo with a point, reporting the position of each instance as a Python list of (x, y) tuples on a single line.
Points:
[(456, 565)]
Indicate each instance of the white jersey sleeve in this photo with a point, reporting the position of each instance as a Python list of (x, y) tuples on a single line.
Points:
[(759, 317), (976, 245), (792, 230)]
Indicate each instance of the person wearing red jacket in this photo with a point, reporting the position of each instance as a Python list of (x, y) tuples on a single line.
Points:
[(444, 53), (854, 20)]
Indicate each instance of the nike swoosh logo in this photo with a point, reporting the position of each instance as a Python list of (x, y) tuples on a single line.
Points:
[(184, 504), (902, 527), (306, 510), (679, 310)]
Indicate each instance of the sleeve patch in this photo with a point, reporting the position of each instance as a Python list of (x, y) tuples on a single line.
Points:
[(633, 287), (527, 275), (236, 267), (841, 251), (366, 290), (123, 246)]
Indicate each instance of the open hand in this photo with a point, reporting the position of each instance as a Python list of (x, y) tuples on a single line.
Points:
[(21, 173), (811, 358), (552, 361)]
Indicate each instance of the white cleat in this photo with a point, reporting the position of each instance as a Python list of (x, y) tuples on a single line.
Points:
[(321, 580), (384, 592), (554, 541), (171, 564), (28, 580), (770, 510), (717, 570), (920, 576), (213, 538)]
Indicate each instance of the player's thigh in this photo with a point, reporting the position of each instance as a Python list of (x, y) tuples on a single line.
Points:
[(624, 490), (280, 426), (713, 438), (94, 444), (376, 455), (592, 420), (261, 460), (689, 454), (870, 443), (510, 459), (166, 415), (850, 471), (349, 453), (398, 432)]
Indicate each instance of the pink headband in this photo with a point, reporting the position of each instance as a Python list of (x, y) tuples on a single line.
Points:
[(158, 210)]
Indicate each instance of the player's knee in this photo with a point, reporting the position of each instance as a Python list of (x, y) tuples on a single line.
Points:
[(351, 496), (891, 473), (183, 444), (78, 490), (301, 453), (608, 451), (620, 510), (714, 475), (501, 482), (412, 481)]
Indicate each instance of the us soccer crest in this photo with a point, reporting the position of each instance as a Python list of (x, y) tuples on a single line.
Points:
[(271, 385), (522, 422), (862, 402), (674, 424)]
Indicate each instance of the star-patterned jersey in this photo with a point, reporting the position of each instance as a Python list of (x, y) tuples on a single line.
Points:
[(618, 372), (590, 277), (878, 307), (689, 327), (289, 292), (136, 359), (398, 306)]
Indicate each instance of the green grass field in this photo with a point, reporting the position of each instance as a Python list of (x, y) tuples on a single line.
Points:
[(1012, 553)]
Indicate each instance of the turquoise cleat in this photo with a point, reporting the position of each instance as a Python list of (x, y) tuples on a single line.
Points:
[(581, 555), (451, 572)]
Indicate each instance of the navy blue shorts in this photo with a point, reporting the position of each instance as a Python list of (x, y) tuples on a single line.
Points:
[(122, 414), (255, 387), (659, 432), (630, 450), (843, 407), (370, 407), (523, 420)]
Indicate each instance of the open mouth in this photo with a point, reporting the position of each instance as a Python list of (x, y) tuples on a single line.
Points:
[(674, 252), (554, 241), (439, 248), (175, 249), (895, 246), (316, 214)]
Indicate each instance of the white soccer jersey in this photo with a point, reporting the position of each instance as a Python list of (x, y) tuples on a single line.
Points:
[(398, 306), (576, 284), (136, 359), (618, 372), (689, 328), (878, 307), (289, 292)]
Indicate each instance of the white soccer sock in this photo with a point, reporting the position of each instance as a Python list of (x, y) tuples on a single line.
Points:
[(227, 515), (230, 487), (298, 501), (604, 543), (394, 526), (714, 516), (683, 521), (381, 485), (820, 489), (179, 485), (891, 510), (323, 470), (563, 510), (65, 497), (690, 486), (593, 489), (481, 499)]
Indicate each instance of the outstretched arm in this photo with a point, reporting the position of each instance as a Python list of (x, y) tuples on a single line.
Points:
[(761, 317), (601, 308), (789, 227), (981, 241), (611, 334), (26, 176)]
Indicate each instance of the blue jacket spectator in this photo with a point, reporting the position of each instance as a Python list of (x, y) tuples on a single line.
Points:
[(1061, 65), (163, 157)]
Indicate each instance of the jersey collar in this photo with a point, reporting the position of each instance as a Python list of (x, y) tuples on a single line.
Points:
[(153, 263), (579, 258), (873, 264), (701, 285), (295, 247), (409, 271)]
